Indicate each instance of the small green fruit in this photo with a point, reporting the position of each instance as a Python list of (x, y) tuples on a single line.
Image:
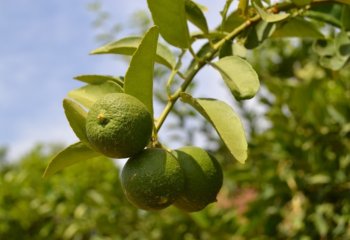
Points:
[(153, 179), (119, 125), (203, 178)]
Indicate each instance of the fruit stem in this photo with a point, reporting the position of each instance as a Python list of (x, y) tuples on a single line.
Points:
[(212, 54)]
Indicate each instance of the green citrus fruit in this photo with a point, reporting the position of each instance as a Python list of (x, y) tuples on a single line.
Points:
[(119, 125), (152, 179), (203, 178)]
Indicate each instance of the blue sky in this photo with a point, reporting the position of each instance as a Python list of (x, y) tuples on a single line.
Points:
[(43, 44)]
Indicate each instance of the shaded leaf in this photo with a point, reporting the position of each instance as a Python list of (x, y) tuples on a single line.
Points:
[(225, 121), (301, 2), (239, 76), (270, 17), (195, 15), (99, 79), (75, 153), (232, 21), (76, 117), (170, 16), (297, 27), (127, 46), (345, 17), (226, 49), (258, 33), (139, 76), (88, 95)]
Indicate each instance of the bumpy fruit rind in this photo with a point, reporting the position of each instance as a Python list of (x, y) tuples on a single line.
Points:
[(203, 178), (153, 179), (119, 125)]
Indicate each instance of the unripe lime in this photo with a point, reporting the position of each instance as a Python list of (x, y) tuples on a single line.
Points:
[(152, 179), (119, 125), (203, 178)]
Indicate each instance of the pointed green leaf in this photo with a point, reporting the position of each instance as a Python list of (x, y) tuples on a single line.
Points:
[(128, 46), (76, 116), (239, 76), (297, 27), (170, 16), (196, 16), (75, 153), (139, 76), (98, 79), (270, 17), (88, 95), (225, 121)]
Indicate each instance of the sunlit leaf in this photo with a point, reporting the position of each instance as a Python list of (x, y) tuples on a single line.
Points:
[(196, 16), (139, 76), (239, 76), (243, 7), (225, 121), (170, 16), (76, 117), (270, 17), (297, 27), (88, 94), (75, 153), (127, 46), (99, 79)]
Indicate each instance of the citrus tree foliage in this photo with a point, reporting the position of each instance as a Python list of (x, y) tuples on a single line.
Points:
[(294, 184), (225, 49)]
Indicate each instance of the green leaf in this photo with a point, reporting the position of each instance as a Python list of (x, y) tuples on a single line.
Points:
[(195, 15), (345, 17), (75, 153), (243, 7), (225, 121), (99, 79), (301, 3), (76, 117), (88, 95), (270, 17), (239, 76), (139, 76), (258, 33), (297, 27), (226, 49), (128, 46), (170, 16), (233, 21), (324, 47)]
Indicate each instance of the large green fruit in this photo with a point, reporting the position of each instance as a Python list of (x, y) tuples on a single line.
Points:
[(119, 125), (152, 179), (203, 178)]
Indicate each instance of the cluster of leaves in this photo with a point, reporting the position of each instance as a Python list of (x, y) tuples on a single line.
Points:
[(299, 166), (245, 28)]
